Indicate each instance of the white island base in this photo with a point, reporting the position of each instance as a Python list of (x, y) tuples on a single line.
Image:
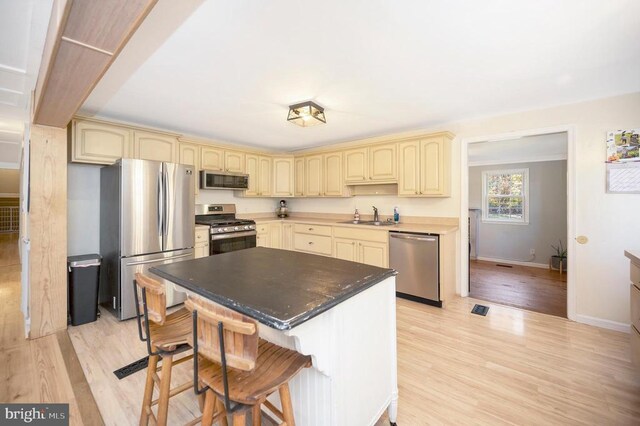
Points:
[(353, 347)]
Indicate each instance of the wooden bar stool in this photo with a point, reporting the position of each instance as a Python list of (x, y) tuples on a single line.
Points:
[(166, 336), (238, 367)]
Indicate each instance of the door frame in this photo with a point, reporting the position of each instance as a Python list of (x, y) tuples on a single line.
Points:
[(571, 213)]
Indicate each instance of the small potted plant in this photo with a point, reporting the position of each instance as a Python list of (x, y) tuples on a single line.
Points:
[(560, 256)]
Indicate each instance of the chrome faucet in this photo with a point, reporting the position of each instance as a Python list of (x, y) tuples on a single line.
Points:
[(376, 218)]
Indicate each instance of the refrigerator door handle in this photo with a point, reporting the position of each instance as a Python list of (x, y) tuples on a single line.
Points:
[(165, 211), (160, 213), (144, 262)]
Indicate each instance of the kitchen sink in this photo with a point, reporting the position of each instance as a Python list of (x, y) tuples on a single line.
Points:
[(369, 222)]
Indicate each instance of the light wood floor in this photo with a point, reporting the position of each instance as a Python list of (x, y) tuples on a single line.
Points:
[(525, 287), (42, 370), (511, 367)]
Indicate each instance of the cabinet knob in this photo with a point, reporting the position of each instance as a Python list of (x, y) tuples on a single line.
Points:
[(310, 229), (362, 177), (416, 192), (310, 243), (370, 178)]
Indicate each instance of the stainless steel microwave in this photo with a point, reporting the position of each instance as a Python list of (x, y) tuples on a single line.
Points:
[(210, 179)]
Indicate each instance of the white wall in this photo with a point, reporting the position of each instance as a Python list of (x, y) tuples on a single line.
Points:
[(547, 221), (83, 207)]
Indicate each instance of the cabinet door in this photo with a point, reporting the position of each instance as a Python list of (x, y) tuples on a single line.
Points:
[(333, 182), (432, 162), (409, 168), (98, 143), (382, 163), (275, 235), (356, 165), (375, 254), (262, 240), (264, 176), (287, 236), (283, 177), (313, 175), (251, 168), (234, 161), (155, 146), (211, 158), (299, 189), (189, 154), (201, 250), (345, 249)]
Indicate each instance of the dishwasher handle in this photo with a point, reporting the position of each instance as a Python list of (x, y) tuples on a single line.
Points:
[(413, 237)]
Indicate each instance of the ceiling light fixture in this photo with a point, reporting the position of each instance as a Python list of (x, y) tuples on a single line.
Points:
[(306, 114)]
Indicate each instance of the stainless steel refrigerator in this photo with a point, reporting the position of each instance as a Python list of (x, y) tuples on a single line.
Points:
[(147, 218)]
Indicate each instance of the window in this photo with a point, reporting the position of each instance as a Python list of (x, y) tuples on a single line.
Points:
[(504, 196)]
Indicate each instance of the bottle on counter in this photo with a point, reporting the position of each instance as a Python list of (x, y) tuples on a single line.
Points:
[(356, 216), (396, 215)]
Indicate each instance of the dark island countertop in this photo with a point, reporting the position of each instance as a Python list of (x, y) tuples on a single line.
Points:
[(279, 288)]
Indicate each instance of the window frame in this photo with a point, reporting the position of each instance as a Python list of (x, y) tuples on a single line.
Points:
[(525, 197)]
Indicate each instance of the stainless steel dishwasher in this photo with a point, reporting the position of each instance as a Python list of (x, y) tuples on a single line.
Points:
[(416, 258)]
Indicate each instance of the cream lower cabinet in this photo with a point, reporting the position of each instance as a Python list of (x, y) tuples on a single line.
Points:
[(364, 246), (283, 177), (98, 143), (155, 146), (201, 248), (425, 167), (275, 235), (258, 167), (287, 236), (314, 239), (269, 235), (262, 235)]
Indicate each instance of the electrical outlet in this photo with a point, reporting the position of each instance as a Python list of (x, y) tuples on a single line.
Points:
[(532, 252)]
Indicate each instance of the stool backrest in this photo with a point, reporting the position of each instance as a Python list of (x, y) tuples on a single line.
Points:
[(240, 334), (155, 295)]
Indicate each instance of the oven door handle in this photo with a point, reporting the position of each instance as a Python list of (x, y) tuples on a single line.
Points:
[(216, 237)]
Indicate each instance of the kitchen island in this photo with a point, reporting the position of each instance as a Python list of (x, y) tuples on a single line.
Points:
[(341, 313)]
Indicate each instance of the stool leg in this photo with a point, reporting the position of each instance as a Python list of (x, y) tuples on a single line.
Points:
[(256, 415), (210, 401), (165, 388), (221, 409), (287, 408), (148, 389), (240, 419)]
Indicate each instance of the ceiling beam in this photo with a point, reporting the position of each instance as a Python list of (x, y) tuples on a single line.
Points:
[(83, 40)]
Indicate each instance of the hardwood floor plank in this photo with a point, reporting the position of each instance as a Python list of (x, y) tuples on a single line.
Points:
[(530, 288)]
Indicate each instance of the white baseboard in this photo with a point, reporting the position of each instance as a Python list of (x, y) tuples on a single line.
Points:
[(603, 323), (514, 262)]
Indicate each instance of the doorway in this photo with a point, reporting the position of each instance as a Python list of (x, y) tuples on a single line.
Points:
[(516, 199)]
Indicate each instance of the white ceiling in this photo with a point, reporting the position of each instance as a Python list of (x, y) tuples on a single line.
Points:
[(528, 149), (231, 68), (23, 27)]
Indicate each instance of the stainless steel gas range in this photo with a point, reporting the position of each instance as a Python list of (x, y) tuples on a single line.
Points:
[(227, 233)]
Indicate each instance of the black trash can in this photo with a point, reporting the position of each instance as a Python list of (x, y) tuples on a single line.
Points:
[(84, 276)]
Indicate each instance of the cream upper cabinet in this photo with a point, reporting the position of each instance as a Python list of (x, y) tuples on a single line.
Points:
[(98, 143), (189, 154), (283, 180), (433, 159), (155, 146), (264, 175), (258, 167), (333, 182), (299, 189), (371, 164), (234, 161), (356, 165), (313, 176), (425, 167), (382, 163), (211, 158), (251, 168), (409, 170)]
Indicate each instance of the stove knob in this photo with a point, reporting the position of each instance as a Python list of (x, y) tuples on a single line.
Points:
[(236, 228), (226, 229), (246, 227), (220, 230), (252, 227)]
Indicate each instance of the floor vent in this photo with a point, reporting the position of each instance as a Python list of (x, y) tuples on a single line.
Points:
[(480, 310), (502, 265), (134, 367)]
